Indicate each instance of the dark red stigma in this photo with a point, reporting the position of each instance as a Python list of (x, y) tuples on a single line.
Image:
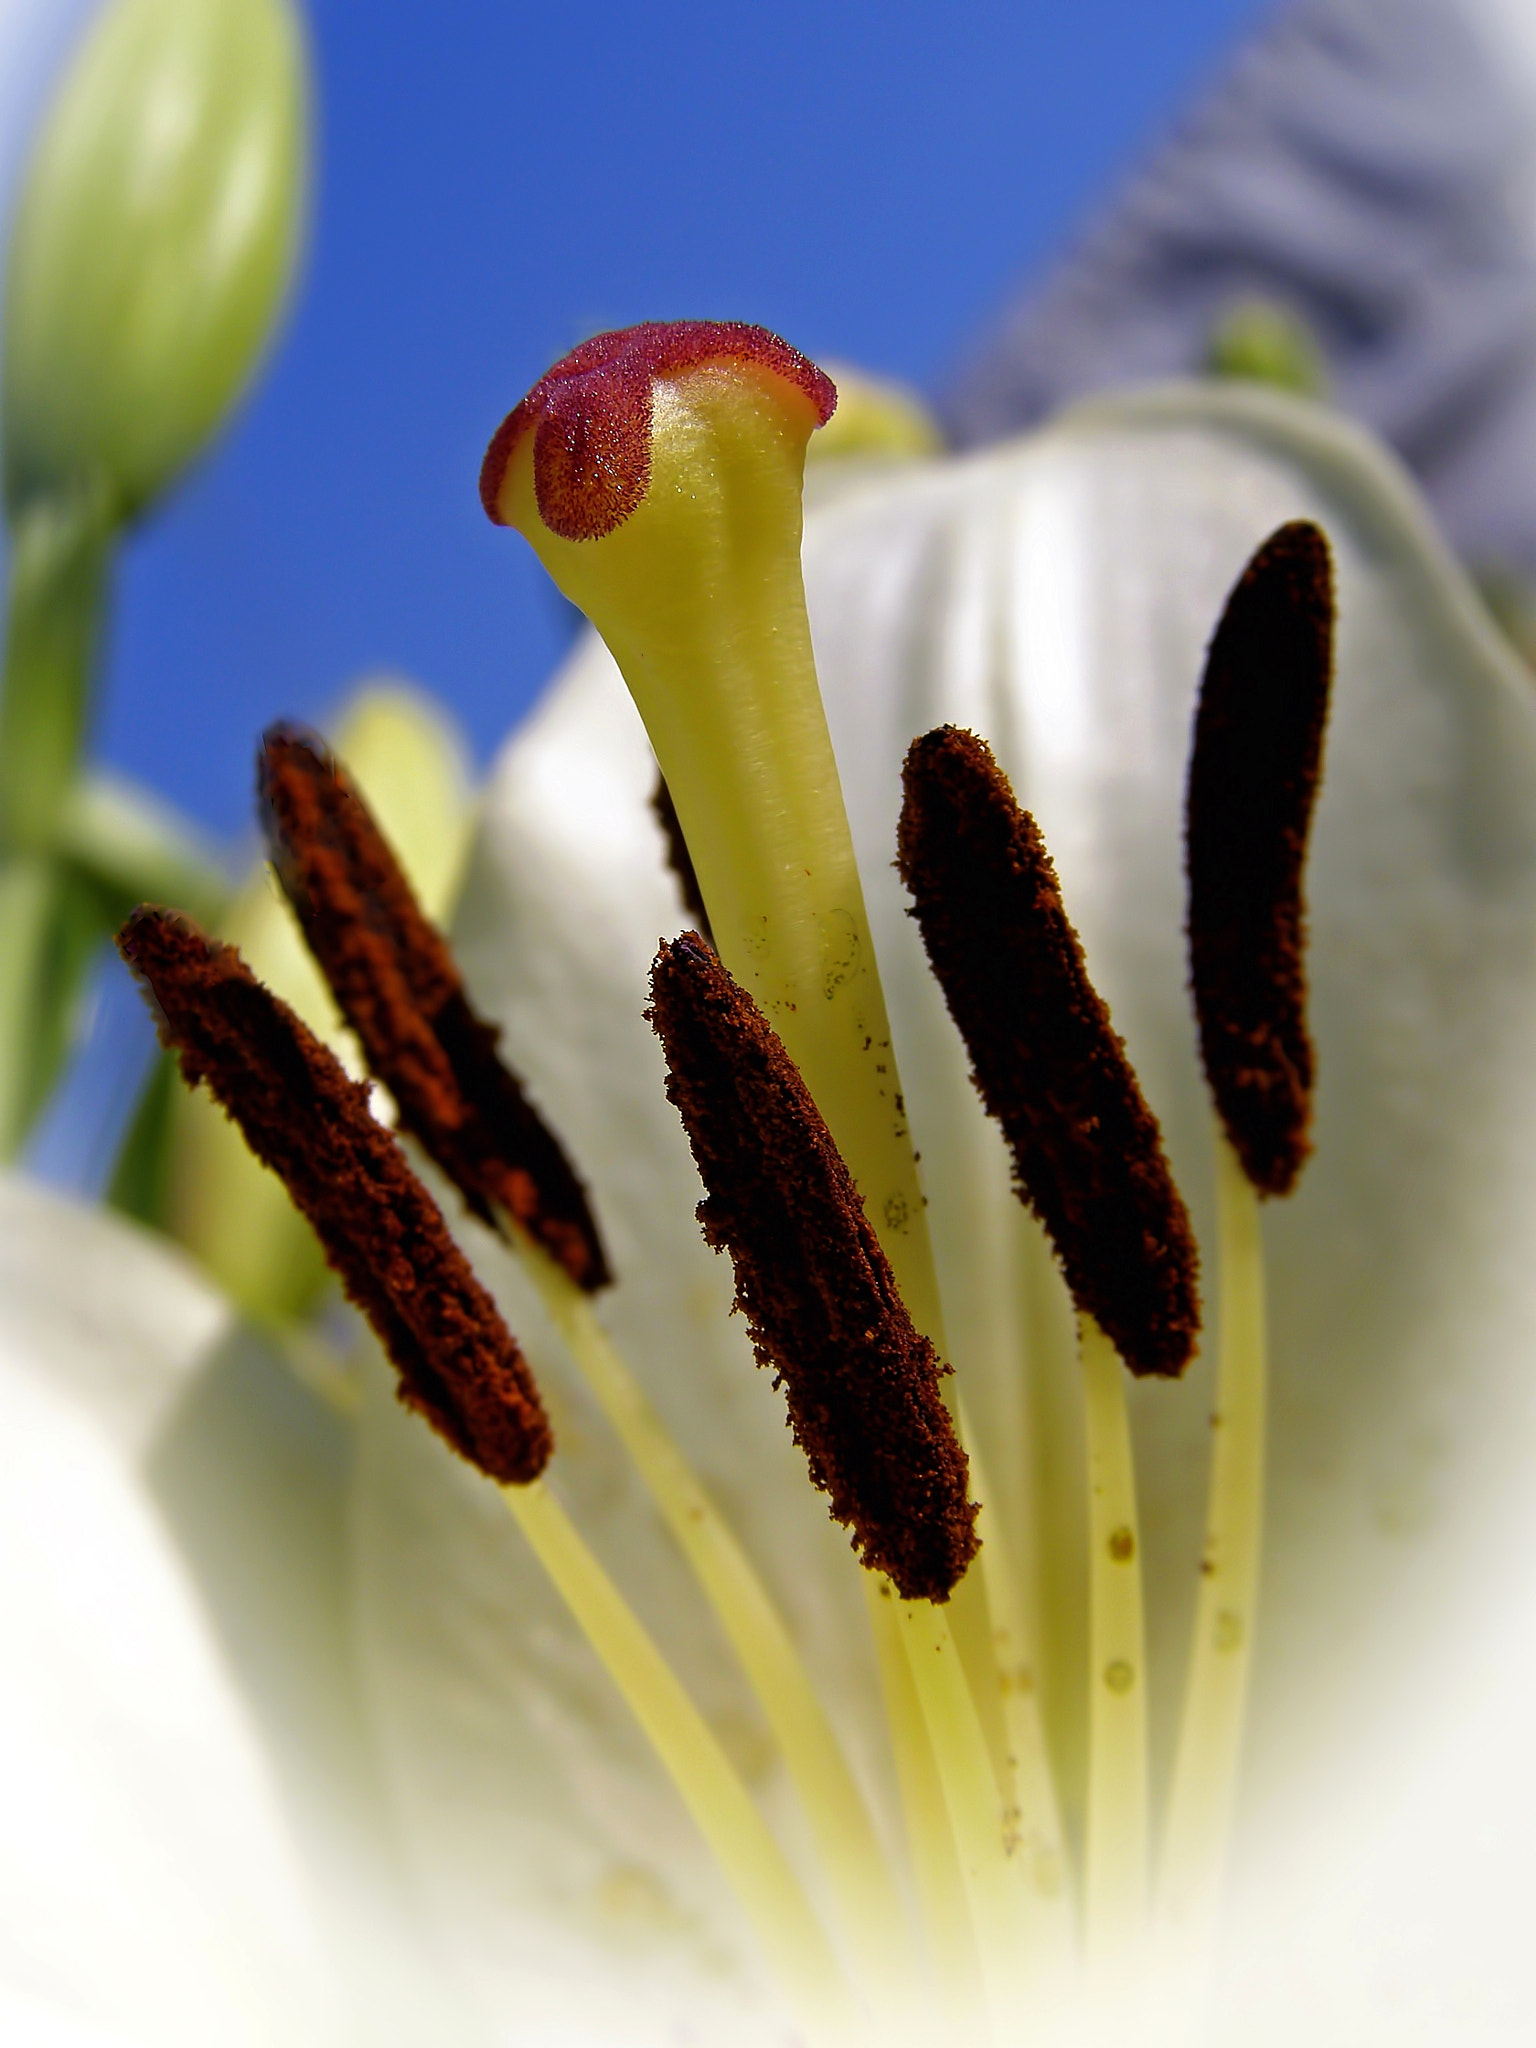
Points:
[(591, 415)]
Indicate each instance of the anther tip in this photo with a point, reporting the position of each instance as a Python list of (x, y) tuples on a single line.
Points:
[(1254, 773)]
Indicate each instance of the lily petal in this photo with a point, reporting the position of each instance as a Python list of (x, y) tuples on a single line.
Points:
[(345, 1766), (1057, 594), (196, 1848)]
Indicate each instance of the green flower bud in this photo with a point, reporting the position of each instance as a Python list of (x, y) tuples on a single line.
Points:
[(153, 247), (876, 418), (1265, 343)]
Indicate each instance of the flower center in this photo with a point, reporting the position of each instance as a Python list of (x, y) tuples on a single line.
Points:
[(657, 474)]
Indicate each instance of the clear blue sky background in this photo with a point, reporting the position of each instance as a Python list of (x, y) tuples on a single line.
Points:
[(495, 181)]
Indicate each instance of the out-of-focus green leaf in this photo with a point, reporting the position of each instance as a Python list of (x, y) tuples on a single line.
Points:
[(136, 849)]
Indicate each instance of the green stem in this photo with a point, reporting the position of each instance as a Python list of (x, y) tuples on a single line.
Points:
[(61, 554), (50, 922)]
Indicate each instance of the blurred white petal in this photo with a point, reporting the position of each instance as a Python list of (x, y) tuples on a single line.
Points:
[(301, 1745), (1057, 594)]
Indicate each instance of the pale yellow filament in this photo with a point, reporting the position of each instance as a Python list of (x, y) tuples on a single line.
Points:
[(1115, 1863), (994, 1884), (941, 1892), (1032, 1813), (1211, 1732), (754, 1865), (868, 1905)]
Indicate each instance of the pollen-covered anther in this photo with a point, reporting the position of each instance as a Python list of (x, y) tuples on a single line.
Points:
[(1254, 771), (397, 985), (862, 1384), (1087, 1152), (381, 1231), (591, 416)]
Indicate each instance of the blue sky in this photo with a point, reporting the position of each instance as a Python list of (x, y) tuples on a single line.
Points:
[(495, 182)]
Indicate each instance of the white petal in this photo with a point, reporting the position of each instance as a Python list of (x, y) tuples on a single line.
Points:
[(1057, 595), (196, 1850)]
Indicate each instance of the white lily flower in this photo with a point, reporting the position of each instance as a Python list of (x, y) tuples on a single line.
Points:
[(334, 1724)]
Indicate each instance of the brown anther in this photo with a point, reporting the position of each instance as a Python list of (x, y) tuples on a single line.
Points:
[(1254, 771), (861, 1383), (679, 859), (1087, 1152), (398, 987), (459, 1366)]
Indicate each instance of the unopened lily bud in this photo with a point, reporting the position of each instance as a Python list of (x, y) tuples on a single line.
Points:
[(153, 246), (1264, 343), (877, 419)]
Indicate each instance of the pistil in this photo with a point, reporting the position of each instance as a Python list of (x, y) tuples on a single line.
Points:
[(658, 475)]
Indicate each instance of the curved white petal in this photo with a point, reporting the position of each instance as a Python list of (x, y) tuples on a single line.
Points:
[(195, 1849), (222, 1609), (147, 1892), (1057, 594)]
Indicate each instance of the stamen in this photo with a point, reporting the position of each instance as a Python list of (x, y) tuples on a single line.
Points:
[(389, 968), (861, 1383), (459, 1366), (591, 416), (1254, 772), (1253, 778), (1087, 1151), (679, 859), (399, 989)]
